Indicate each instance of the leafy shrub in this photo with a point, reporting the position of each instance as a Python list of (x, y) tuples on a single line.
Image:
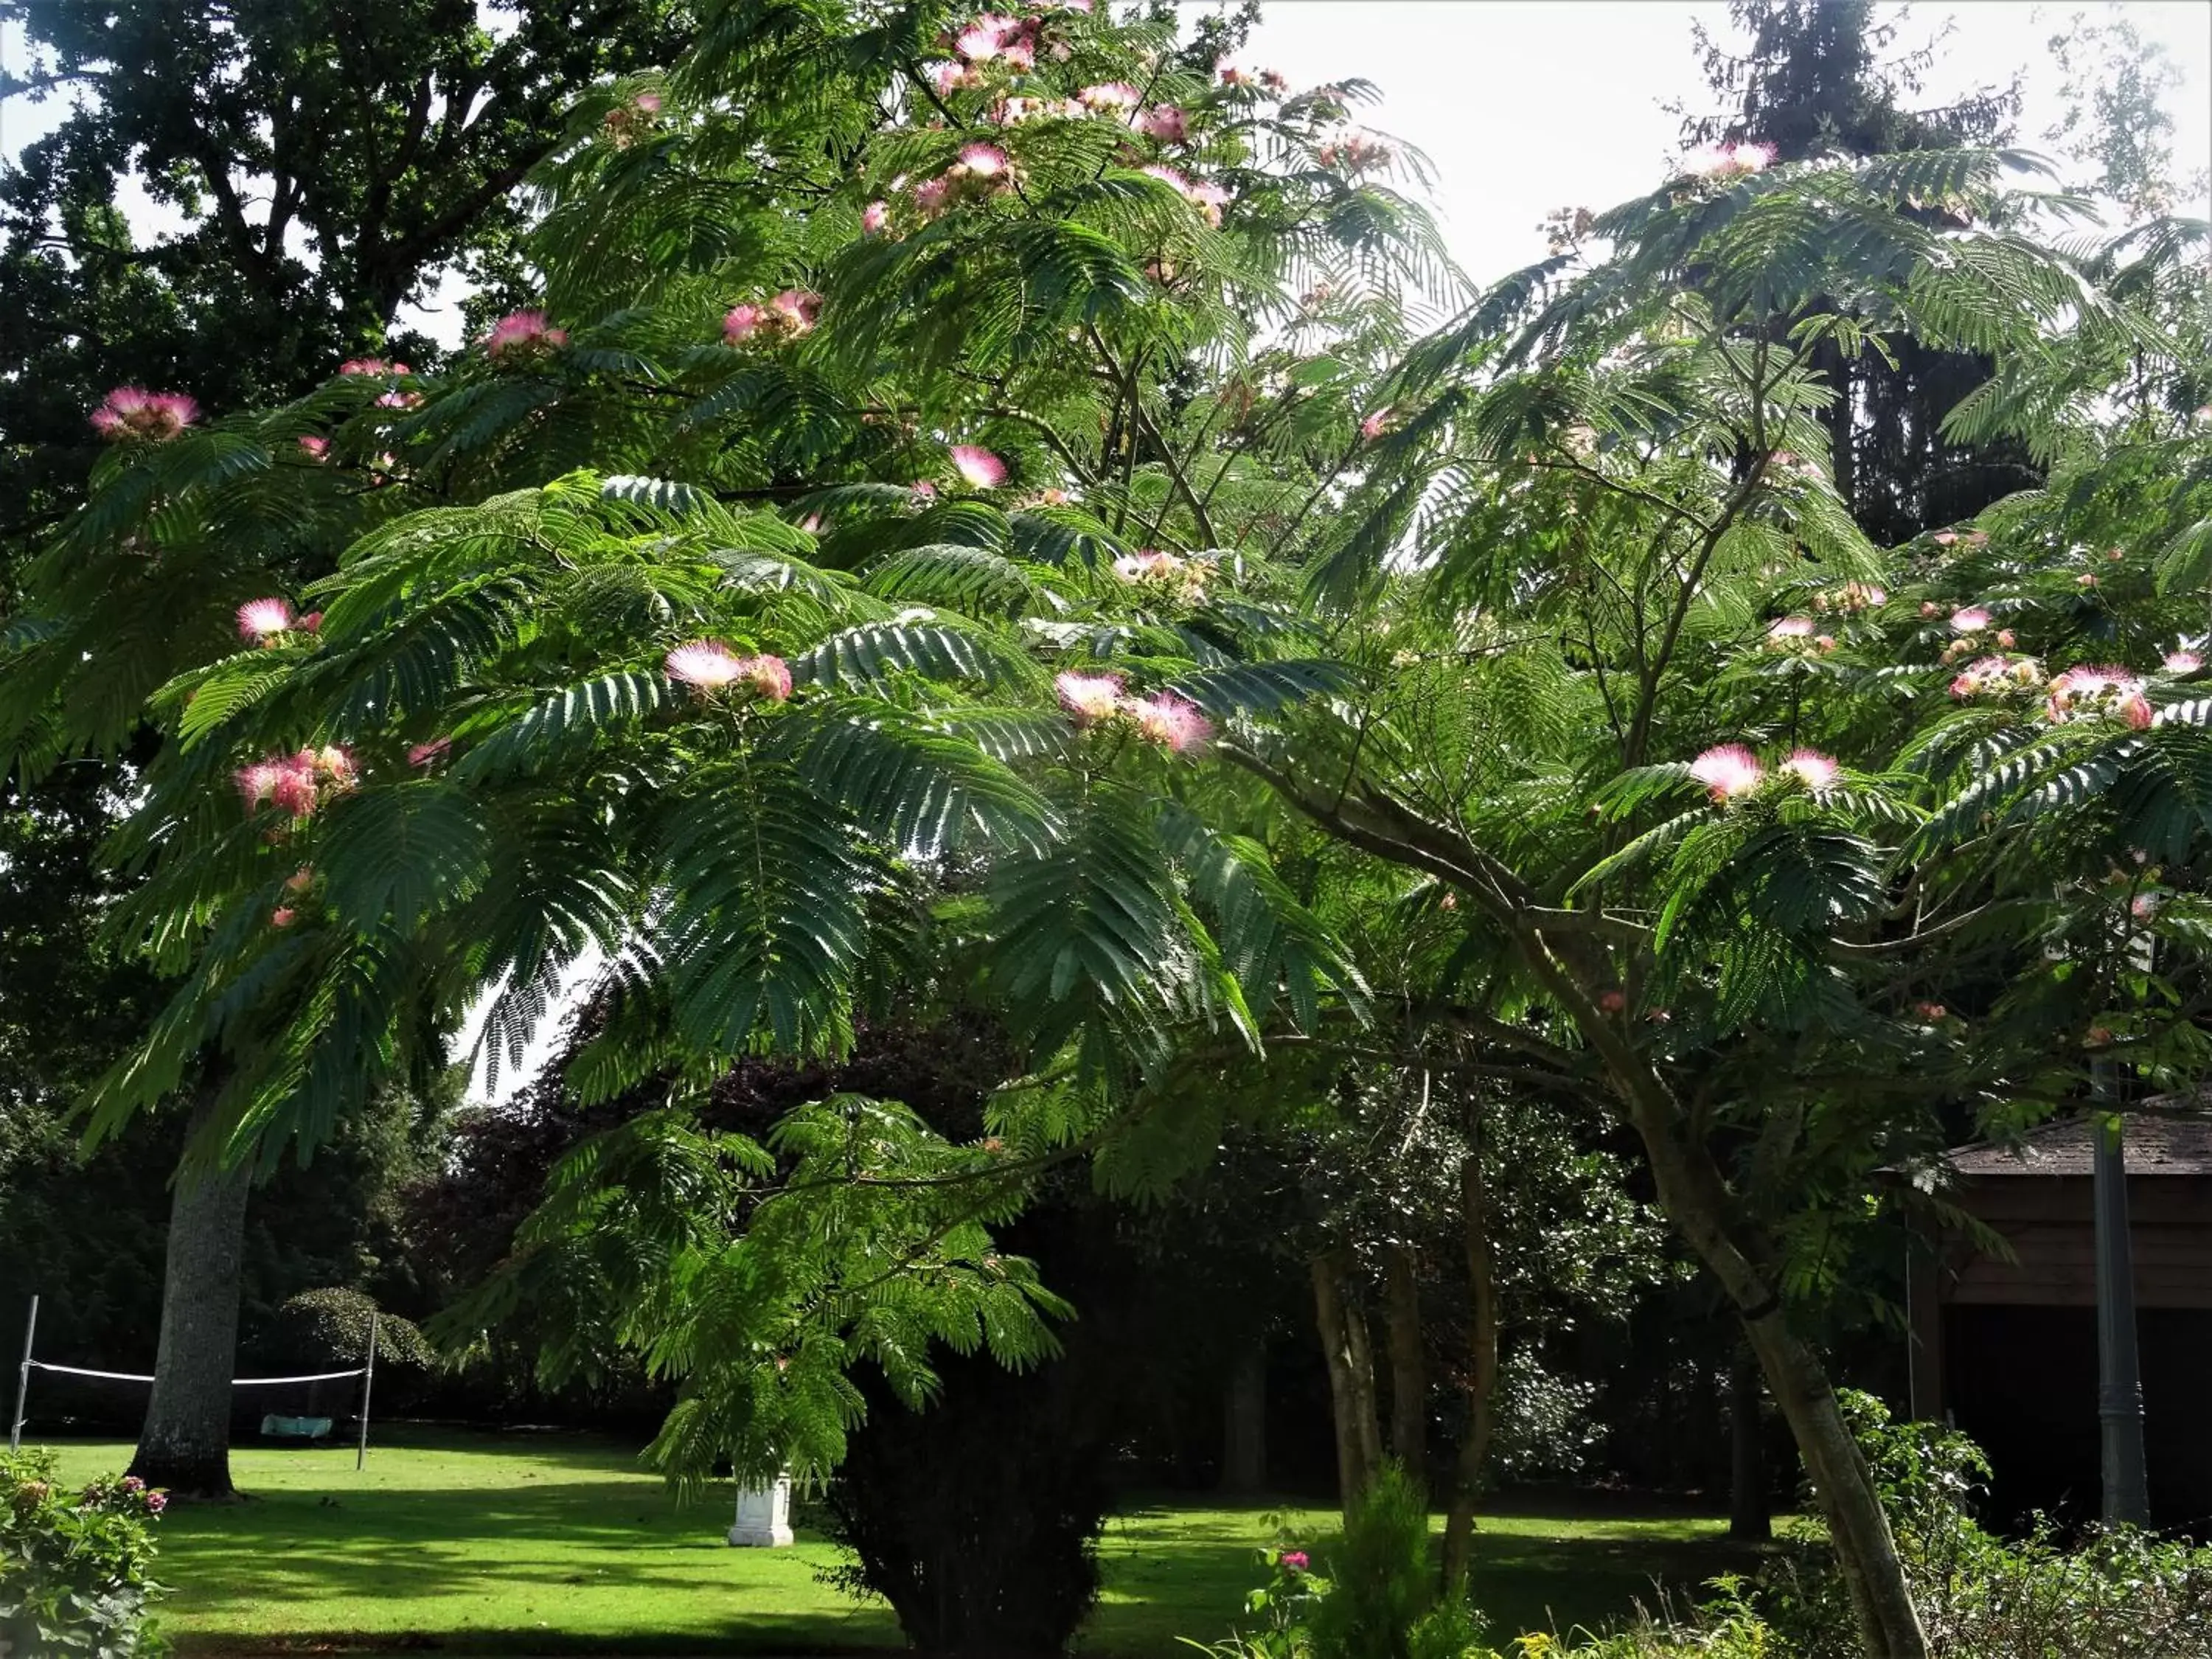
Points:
[(2116, 1593), (74, 1567), (1379, 1599)]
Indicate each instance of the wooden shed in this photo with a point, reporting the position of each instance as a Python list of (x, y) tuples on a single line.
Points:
[(2007, 1349)]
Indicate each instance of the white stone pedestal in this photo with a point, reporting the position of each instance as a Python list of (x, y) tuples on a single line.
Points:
[(764, 1516)]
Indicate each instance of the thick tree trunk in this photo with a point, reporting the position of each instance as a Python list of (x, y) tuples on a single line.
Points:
[(1482, 1370), (1697, 1200), (1244, 1424), (184, 1446), (1351, 1361), (1409, 1370), (1749, 1515)]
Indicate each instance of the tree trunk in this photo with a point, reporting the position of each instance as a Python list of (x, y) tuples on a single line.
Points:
[(1695, 1197), (1244, 1424), (184, 1446), (1409, 1371), (1344, 1346), (1482, 1370), (1748, 1517)]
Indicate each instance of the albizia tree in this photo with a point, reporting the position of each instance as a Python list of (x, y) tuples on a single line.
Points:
[(953, 512)]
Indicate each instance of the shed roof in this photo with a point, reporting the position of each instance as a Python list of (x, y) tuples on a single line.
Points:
[(2156, 1144)]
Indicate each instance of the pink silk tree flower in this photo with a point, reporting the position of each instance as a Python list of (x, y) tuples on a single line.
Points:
[(874, 217), (1971, 619), (283, 917), (1372, 428), (2183, 662), (131, 412), (706, 664), (985, 37), (1792, 628), (1167, 719), (978, 466), (2090, 691), (257, 782), (769, 677), (317, 449), (1089, 697), (1727, 771), (1109, 95), (429, 754), (1233, 77), (294, 790), (264, 619), (1164, 122), (985, 161), (795, 308), (522, 332), (1816, 771), (741, 324)]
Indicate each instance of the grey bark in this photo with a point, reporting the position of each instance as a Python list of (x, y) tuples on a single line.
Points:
[(1351, 1360), (184, 1446)]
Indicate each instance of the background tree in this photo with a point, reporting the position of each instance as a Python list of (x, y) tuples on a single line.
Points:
[(324, 168), (1814, 78)]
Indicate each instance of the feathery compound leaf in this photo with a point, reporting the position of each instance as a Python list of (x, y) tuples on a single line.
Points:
[(873, 657), (556, 731), (394, 854), (911, 783)]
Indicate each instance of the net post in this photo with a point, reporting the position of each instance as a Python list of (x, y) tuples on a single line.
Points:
[(23, 1376), (367, 1382)]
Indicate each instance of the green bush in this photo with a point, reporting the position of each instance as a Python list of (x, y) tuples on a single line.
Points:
[(1378, 1600), (75, 1566)]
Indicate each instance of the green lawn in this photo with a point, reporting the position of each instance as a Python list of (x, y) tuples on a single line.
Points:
[(546, 1544)]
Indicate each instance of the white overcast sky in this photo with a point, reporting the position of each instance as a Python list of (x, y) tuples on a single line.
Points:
[(1525, 105)]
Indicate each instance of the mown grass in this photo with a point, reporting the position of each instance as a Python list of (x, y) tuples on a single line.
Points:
[(560, 1545)]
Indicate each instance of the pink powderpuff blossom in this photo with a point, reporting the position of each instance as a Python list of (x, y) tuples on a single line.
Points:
[(741, 324), (1970, 619), (1209, 199), (317, 449), (1296, 1560), (1018, 56), (1164, 122), (795, 308), (1728, 161), (767, 677), (294, 790), (520, 333), (929, 197), (1816, 771), (1792, 628), (875, 216), (427, 754), (264, 619), (371, 366), (312, 623), (2006, 639), (1275, 80), (1727, 771), (1233, 77), (979, 467), (257, 782), (2183, 662), (300, 879), (1170, 177), (283, 917), (397, 399), (984, 38), (2144, 906), (2087, 691), (1089, 697), (1109, 95), (131, 412), (985, 161), (1170, 721), (1372, 427), (947, 78), (706, 664)]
